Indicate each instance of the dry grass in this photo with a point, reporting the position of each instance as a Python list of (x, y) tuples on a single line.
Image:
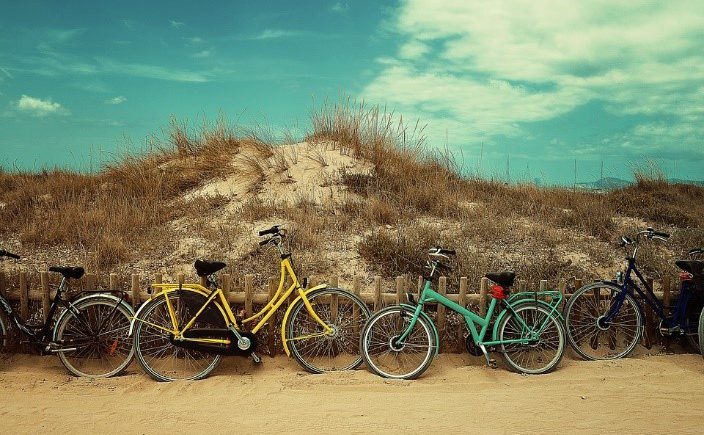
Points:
[(413, 198)]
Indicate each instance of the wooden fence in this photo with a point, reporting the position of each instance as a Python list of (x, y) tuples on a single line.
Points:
[(32, 288)]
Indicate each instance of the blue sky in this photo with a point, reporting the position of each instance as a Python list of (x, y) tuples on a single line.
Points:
[(532, 86)]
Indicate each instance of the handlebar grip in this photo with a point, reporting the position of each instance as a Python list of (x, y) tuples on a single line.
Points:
[(272, 230), (9, 254), (448, 251), (661, 234), (264, 242)]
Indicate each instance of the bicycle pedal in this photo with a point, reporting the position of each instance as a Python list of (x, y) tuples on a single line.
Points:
[(492, 364), (256, 358)]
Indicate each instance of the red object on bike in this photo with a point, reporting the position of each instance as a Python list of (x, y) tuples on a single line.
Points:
[(685, 276), (497, 292)]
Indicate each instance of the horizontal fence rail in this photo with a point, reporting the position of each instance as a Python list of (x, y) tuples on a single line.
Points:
[(26, 289)]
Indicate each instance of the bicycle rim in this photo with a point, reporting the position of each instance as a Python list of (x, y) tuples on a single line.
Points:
[(99, 332), (387, 358), (316, 351), (533, 358), (589, 336), (156, 353)]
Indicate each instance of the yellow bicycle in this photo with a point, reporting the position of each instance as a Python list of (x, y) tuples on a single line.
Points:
[(183, 330)]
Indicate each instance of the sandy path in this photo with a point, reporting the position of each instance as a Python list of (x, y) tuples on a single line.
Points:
[(647, 394)]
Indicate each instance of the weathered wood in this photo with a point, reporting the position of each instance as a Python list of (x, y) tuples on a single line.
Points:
[(46, 294), (562, 286), (400, 281), (90, 282), (462, 300), (543, 285), (136, 296), (158, 278), (226, 285), (522, 286), (180, 278), (271, 284), (377, 293), (24, 296), (483, 289), (334, 300), (248, 291), (113, 282), (356, 289), (420, 285), (666, 291), (440, 320)]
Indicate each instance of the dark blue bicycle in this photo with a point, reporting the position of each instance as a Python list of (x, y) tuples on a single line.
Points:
[(605, 320)]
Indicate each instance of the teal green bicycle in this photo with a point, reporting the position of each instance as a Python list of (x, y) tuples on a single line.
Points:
[(401, 341)]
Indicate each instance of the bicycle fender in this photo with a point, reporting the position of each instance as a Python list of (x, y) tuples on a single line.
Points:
[(91, 296), (166, 290), (284, 322), (427, 318), (497, 322)]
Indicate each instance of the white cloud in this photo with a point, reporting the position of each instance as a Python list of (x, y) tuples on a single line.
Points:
[(340, 7), (203, 54), (273, 34), (176, 24), (485, 68), (116, 100), (39, 107)]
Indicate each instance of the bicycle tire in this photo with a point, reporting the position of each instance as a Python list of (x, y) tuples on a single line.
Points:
[(376, 341), (157, 354), (694, 307), (318, 353), (510, 351), (585, 345), (106, 352)]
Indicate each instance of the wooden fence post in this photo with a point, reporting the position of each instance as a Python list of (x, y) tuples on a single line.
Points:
[(483, 289), (24, 296), (46, 296), (90, 281), (356, 289), (272, 320), (442, 289), (377, 293), (522, 286), (334, 281), (562, 286), (543, 285), (649, 322), (136, 298), (180, 277), (420, 285), (248, 290), (399, 289), (462, 300), (3, 284), (226, 285), (666, 291), (113, 281)]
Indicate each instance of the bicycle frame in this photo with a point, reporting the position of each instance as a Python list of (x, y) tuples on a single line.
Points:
[(473, 320), (630, 286), (264, 314)]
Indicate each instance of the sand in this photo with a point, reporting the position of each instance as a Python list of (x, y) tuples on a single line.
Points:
[(644, 394)]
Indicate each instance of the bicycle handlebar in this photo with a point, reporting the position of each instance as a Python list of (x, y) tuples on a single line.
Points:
[(442, 251), (696, 251), (4, 253)]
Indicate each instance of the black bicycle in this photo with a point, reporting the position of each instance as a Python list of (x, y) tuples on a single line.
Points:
[(90, 335), (605, 320)]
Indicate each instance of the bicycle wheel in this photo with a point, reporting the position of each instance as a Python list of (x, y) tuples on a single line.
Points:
[(389, 359), (316, 351), (98, 330), (3, 334), (541, 356), (692, 313), (156, 351), (589, 335)]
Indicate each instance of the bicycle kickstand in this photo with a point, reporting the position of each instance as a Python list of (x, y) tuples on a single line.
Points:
[(491, 362), (255, 358)]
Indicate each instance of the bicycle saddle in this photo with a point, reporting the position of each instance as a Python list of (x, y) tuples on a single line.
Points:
[(695, 267), (207, 267), (68, 272), (504, 279)]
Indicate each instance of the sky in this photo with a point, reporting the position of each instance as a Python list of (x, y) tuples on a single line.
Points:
[(552, 91)]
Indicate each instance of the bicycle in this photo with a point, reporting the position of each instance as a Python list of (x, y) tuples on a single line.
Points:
[(401, 341), (604, 320), (183, 330), (89, 335)]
